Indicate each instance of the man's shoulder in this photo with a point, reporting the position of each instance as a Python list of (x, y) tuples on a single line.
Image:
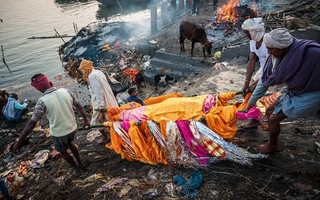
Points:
[(128, 98), (96, 74), (63, 89)]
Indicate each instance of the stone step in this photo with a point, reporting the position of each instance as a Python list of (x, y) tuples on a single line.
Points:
[(174, 65), (194, 61)]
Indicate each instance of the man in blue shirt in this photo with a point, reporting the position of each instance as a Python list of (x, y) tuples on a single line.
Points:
[(134, 96), (13, 110)]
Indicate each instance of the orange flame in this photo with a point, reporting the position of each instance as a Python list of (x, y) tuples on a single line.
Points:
[(227, 13)]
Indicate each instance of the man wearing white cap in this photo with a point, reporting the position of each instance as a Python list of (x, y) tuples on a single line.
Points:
[(255, 30), (297, 64)]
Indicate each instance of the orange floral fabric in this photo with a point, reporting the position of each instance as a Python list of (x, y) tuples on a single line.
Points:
[(267, 101)]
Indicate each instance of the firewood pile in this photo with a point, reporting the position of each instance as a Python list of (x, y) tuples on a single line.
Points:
[(299, 14)]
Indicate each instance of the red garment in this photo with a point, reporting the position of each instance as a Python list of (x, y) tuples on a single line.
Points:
[(41, 82), (132, 73)]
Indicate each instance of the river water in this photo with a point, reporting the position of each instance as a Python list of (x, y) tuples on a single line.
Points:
[(22, 19)]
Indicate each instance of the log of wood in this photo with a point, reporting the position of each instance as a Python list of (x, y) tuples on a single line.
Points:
[(308, 130), (49, 37)]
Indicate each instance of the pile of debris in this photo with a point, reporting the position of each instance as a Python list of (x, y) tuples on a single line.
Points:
[(300, 14), (109, 46)]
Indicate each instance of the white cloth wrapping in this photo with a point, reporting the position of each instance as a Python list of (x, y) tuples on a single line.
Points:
[(279, 38), (101, 95), (256, 28)]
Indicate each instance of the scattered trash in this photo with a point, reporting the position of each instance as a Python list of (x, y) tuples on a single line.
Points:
[(146, 58), (93, 178), (151, 193), (152, 175), (124, 191), (170, 189), (316, 133), (40, 158), (133, 182), (93, 135), (153, 42), (190, 189), (217, 55), (318, 147), (23, 168), (38, 128), (61, 180), (109, 185)]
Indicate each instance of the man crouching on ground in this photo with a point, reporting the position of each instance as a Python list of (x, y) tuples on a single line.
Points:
[(296, 63), (57, 104)]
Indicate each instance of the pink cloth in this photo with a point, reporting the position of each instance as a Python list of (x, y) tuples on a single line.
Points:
[(125, 125), (253, 113), (208, 103), (41, 83), (133, 114), (193, 146)]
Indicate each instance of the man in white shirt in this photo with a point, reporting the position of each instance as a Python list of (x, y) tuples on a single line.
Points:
[(254, 29), (101, 94)]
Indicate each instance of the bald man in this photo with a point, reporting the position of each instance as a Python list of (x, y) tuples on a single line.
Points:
[(297, 64)]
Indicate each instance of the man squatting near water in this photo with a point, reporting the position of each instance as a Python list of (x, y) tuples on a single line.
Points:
[(296, 63), (57, 105)]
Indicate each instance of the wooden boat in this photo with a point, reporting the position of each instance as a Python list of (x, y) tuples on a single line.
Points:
[(121, 2)]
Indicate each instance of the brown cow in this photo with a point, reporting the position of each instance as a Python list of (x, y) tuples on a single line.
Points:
[(194, 33)]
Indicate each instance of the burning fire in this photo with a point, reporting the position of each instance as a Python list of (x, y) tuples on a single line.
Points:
[(228, 12)]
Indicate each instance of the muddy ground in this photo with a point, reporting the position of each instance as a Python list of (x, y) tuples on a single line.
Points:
[(291, 173)]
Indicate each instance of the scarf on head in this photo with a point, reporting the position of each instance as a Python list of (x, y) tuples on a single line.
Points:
[(255, 26), (279, 38), (41, 83), (298, 68), (86, 67)]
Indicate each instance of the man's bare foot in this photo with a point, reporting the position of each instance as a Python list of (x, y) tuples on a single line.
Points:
[(250, 124), (268, 148)]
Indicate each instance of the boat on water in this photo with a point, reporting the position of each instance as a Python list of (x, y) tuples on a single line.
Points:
[(121, 2)]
